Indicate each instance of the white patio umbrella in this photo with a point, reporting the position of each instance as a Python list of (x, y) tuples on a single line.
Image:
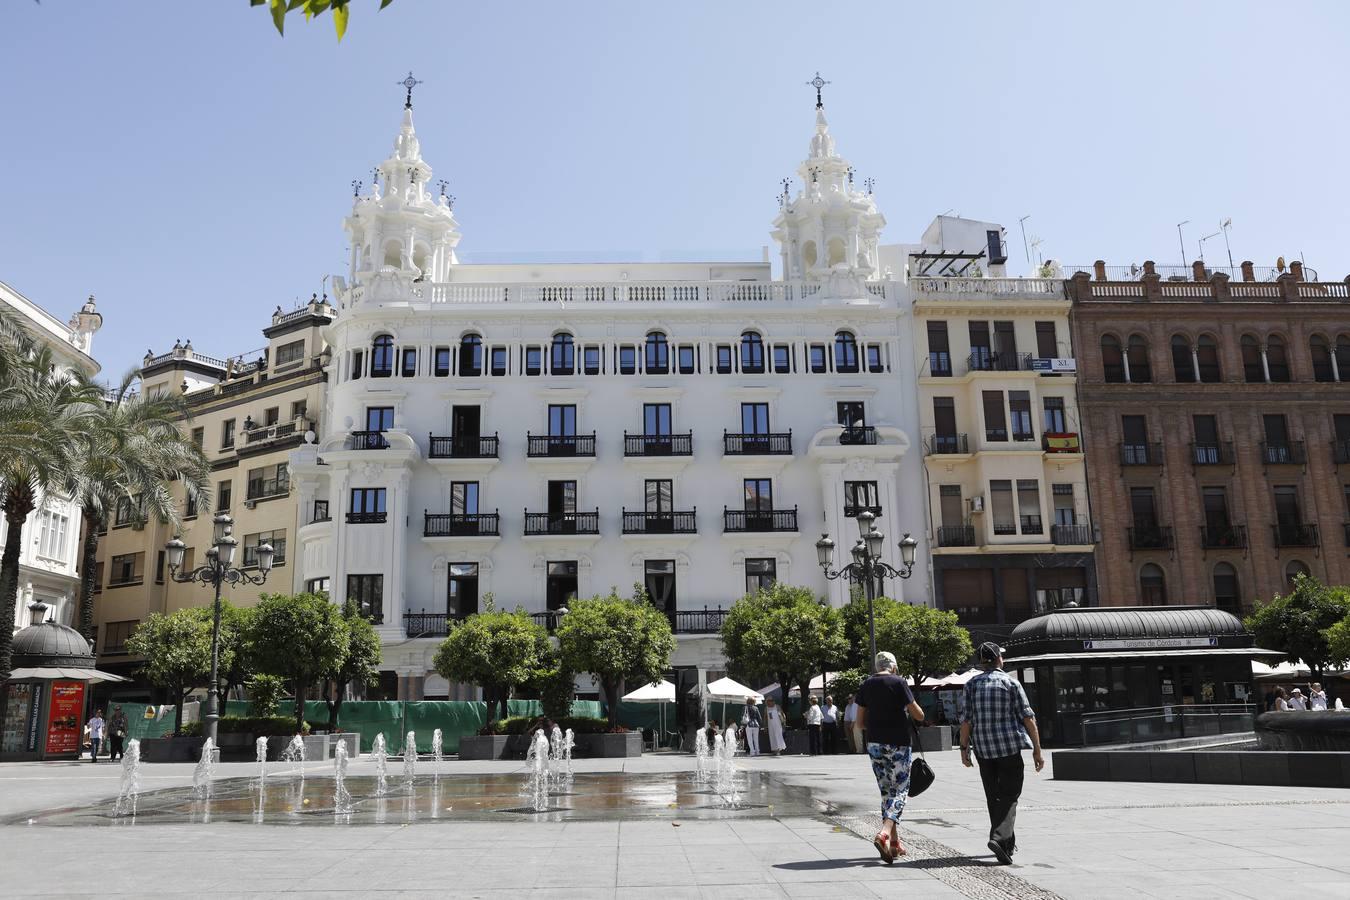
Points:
[(727, 690), (661, 692)]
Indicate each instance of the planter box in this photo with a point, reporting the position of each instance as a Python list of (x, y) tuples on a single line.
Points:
[(173, 749), (609, 746), (488, 746)]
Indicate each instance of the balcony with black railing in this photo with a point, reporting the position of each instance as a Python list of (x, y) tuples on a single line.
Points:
[(461, 524), (1340, 452), (1150, 537), (858, 435), (852, 510), (668, 522), (549, 618), (1149, 453), (947, 444), (759, 520), (1283, 453), (1031, 524), (1223, 537), (265, 488), (429, 624), (369, 440), (559, 445), (1296, 534), (367, 518), (1215, 454), (1005, 528), (984, 360), (698, 621), (468, 446), (658, 444), (956, 535), (757, 444), (1071, 534), (547, 524)]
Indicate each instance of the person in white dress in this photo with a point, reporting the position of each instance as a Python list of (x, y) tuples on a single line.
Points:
[(1317, 698), (774, 713), (750, 721)]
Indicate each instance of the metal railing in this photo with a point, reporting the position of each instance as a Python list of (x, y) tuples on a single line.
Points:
[(460, 524), (956, 535), (1283, 453), (851, 510), (1165, 723), (939, 444), (740, 520), (546, 523), (545, 445), (1071, 534), (471, 446), (1007, 361), (672, 522), (549, 618), (260, 488), (1150, 537), (1145, 454), (1223, 537), (269, 432), (369, 440), (699, 621), (425, 624), (757, 444), (367, 518), (1220, 454), (1031, 524), (1295, 534), (658, 444)]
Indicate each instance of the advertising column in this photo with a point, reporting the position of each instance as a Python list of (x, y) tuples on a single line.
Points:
[(64, 719)]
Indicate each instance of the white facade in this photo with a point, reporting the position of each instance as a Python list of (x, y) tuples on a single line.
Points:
[(697, 354), (50, 550)]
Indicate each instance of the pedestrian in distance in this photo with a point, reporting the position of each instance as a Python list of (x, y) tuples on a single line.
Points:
[(1296, 700), (829, 726), (852, 736), (750, 721), (1281, 703), (117, 733), (998, 723), (774, 713), (885, 709), (1317, 698), (96, 727), (813, 720)]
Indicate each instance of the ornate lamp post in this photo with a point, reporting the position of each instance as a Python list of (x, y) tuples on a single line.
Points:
[(867, 568), (217, 571)]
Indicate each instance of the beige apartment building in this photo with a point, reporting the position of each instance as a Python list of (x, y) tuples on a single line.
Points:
[(1007, 491), (247, 413)]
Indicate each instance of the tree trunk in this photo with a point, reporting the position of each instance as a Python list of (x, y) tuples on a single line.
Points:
[(301, 689), (18, 504), (93, 523), (179, 695), (613, 691), (335, 704)]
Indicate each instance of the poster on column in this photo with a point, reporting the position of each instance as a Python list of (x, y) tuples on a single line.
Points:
[(64, 716)]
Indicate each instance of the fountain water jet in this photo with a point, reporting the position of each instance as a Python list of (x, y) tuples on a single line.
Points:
[(536, 762), (569, 742), (409, 759), (205, 771), (726, 770), (436, 751), (130, 788), (295, 752), (381, 757), (701, 755), (342, 798), (261, 745)]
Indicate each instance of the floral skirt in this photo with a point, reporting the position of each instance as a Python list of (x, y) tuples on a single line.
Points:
[(890, 765)]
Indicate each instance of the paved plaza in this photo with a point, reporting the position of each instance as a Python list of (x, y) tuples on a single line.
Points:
[(1078, 840)]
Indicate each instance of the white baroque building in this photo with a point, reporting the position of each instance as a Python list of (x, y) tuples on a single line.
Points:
[(50, 552), (539, 432)]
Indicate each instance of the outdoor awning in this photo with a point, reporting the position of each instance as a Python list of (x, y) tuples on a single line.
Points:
[(661, 692), (727, 690), (951, 681), (63, 673), (1110, 656)]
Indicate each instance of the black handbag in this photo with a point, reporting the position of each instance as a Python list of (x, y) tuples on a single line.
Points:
[(921, 775)]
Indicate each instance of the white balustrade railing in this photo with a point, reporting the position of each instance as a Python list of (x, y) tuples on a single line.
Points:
[(712, 292), (998, 287)]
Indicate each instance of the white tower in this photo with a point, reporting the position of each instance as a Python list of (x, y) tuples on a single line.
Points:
[(828, 232)]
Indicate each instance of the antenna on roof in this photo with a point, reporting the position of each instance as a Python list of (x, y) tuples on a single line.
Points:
[(1025, 247)]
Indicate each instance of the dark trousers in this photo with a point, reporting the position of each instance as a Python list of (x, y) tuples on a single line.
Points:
[(93, 749), (813, 739), (115, 742), (830, 732), (1002, 779)]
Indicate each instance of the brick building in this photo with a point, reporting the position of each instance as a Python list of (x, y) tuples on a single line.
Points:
[(1216, 420)]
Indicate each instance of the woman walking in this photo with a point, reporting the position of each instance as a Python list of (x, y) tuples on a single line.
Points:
[(750, 722), (885, 706), (774, 713)]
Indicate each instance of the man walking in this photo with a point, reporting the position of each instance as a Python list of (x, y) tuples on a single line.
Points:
[(852, 737), (117, 733), (999, 724), (829, 725), (813, 718), (96, 726)]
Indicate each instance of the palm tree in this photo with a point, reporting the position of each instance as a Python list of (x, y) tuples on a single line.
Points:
[(133, 450)]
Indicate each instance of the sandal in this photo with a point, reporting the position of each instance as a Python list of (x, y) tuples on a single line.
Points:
[(883, 844)]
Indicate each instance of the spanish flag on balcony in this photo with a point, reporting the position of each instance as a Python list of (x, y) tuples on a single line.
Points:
[(1061, 442)]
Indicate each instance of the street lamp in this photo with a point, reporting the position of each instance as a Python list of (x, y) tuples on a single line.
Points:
[(867, 568), (217, 571)]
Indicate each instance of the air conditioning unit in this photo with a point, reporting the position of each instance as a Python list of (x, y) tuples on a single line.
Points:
[(249, 504), (977, 503)]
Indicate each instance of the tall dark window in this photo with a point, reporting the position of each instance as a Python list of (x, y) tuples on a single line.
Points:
[(816, 353), (1141, 372), (227, 434), (368, 593), (379, 418), (1183, 367), (1135, 447), (874, 361), (471, 356), (534, 361), (659, 580), (1029, 506), (659, 495), (851, 413), (1227, 596), (409, 367), (1214, 499), (1005, 346), (1207, 354), (499, 357), (562, 420), (1287, 510), (760, 574), (564, 356), (1143, 510), (1253, 370), (1055, 422), (382, 357), (656, 418), (845, 352), (627, 360), (981, 352), (590, 360), (658, 354), (561, 586), (758, 495), (686, 360), (752, 353), (995, 425), (1277, 358), (944, 425), (1001, 507), (861, 495), (224, 489), (1046, 345), (1152, 585), (939, 350), (754, 418), (562, 499), (723, 359), (440, 366), (463, 498), (782, 359), (461, 595), (358, 364), (1113, 360), (1019, 406)]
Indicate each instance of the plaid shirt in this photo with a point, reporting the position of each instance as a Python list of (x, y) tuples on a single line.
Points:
[(995, 705)]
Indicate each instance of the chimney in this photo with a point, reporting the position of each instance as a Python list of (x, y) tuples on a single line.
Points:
[(1150, 281), (1198, 271), (1150, 268), (1099, 269), (1248, 273), (1296, 268)]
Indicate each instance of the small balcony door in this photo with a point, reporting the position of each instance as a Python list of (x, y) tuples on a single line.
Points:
[(659, 503), (758, 504), (851, 413), (461, 596), (1216, 510), (465, 428), (656, 428), (562, 506), (562, 430), (1143, 509), (379, 418), (659, 580)]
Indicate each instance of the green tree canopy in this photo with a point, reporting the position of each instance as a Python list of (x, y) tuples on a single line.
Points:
[(302, 637), (1296, 623), (618, 641), (177, 652), (925, 641), (495, 650), (360, 665), (1338, 641), (311, 8)]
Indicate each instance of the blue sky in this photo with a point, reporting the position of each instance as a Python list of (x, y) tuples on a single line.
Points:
[(191, 168)]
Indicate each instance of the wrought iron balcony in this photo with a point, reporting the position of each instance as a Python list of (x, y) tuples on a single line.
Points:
[(858, 434), (460, 524), (1146, 454), (1150, 537), (469, 446), (547, 523), (940, 444), (429, 624), (1062, 442), (1296, 534), (1283, 453), (1219, 454), (367, 518), (1071, 534), (369, 440), (956, 535), (261, 488), (851, 510), (549, 618), (757, 444), (555, 445), (742, 520), (671, 522), (1031, 524), (1223, 537), (658, 444), (699, 621), (986, 361)]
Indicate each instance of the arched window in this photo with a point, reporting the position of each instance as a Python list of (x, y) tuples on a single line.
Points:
[(470, 356), (564, 355), (393, 254), (845, 352), (1226, 594), (1113, 360), (1207, 352), (1320, 351), (382, 357), (834, 252), (658, 353), (809, 254), (1253, 371), (1183, 367), (1140, 372), (1152, 586), (752, 352), (1343, 356), (1277, 358), (1294, 569)]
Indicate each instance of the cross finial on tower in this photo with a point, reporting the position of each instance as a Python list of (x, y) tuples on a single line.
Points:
[(375, 175), (410, 82), (818, 83), (356, 188), (869, 183), (442, 183)]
